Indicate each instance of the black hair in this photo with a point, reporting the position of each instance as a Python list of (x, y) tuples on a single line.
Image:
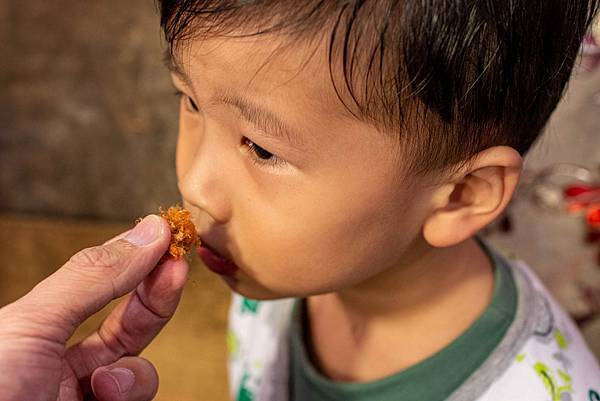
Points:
[(449, 78)]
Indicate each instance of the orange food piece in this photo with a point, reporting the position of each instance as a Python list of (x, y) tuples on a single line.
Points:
[(183, 232)]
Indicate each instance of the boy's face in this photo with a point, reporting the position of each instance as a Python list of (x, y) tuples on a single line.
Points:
[(281, 179)]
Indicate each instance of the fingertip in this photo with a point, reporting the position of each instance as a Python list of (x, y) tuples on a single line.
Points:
[(166, 227), (162, 289), (112, 384), (128, 379), (152, 228), (178, 270), (163, 228), (170, 275)]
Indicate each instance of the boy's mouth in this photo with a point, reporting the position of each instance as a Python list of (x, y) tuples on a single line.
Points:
[(214, 261)]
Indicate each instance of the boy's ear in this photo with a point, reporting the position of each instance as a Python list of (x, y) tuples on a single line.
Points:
[(474, 197)]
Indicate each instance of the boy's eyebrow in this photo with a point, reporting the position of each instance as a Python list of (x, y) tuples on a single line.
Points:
[(262, 118)]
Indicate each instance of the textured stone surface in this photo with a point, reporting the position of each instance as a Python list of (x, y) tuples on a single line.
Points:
[(88, 120)]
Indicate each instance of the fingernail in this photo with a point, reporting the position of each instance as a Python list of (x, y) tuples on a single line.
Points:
[(124, 378), (145, 232)]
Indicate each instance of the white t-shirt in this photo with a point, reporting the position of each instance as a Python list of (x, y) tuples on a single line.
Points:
[(542, 357)]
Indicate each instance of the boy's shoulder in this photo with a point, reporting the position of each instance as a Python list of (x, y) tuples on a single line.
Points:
[(543, 356)]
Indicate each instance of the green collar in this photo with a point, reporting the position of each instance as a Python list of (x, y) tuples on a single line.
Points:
[(436, 377)]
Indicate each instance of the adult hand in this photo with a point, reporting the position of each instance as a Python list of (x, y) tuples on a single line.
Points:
[(36, 365)]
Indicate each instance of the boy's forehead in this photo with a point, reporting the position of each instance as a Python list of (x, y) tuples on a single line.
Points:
[(298, 71), (291, 82)]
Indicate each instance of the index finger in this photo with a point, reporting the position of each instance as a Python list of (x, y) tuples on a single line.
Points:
[(94, 277), (134, 323)]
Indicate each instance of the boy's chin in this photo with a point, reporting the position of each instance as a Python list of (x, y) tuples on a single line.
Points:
[(254, 290)]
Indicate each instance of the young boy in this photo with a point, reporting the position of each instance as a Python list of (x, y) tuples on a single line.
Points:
[(339, 158)]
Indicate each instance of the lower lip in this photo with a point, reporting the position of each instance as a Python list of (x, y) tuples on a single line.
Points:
[(216, 263)]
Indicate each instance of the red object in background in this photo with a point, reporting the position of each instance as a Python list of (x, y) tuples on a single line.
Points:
[(576, 190), (582, 194), (586, 199), (592, 216), (573, 189)]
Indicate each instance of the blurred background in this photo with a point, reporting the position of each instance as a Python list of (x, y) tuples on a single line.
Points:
[(88, 125), (87, 139)]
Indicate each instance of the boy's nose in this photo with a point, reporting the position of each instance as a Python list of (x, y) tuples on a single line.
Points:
[(204, 188)]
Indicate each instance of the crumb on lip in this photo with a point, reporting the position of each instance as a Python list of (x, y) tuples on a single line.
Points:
[(183, 232)]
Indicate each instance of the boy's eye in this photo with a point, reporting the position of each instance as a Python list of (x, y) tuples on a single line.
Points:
[(260, 152), (190, 105), (261, 156)]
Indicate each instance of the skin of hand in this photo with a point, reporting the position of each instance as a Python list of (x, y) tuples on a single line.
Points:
[(35, 363)]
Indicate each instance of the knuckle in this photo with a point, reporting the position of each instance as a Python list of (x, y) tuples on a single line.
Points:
[(104, 256), (97, 256), (103, 263)]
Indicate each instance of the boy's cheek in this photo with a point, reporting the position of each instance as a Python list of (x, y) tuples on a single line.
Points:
[(320, 248), (315, 267)]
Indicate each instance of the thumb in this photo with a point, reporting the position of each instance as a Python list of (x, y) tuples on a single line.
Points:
[(95, 276), (128, 379)]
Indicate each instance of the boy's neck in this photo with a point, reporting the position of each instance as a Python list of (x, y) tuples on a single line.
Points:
[(411, 309)]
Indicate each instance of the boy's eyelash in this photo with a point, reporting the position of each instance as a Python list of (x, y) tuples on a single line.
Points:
[(256, 150), (192, 106)]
